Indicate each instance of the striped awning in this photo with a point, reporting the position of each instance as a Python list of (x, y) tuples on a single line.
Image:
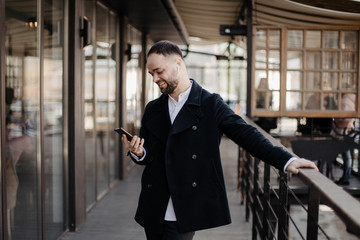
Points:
[(202, 18)]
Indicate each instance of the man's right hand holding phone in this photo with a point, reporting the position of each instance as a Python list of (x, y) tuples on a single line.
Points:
[(135, 145)]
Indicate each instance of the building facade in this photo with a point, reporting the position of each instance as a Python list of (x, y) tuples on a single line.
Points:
[(71, 72)]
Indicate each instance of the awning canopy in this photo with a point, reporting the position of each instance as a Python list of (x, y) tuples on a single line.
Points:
[(198, 22)]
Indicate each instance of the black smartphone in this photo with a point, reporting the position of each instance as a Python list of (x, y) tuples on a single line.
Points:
[(123, 131)]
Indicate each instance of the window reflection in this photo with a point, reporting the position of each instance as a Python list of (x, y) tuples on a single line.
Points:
[(313, 60), (133, 81), (331, 39), (312, 80), (295, 39), (294, 59), (267, 65), (103, 50), (53, 122), (22, 121), (321, 64), (112, 98), (349, 40), (313, 39), (89, 112)]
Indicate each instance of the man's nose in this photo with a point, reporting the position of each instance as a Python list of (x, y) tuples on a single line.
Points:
[(155, 78)]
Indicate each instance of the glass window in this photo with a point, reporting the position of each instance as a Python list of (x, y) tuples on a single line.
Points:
[(293, 80), (349, 61), (293, 101), (274, 59), (53, 120), (100, 102), (267, 65), (330, 101), (295, 39), (349, 40), (313, 39), (331, 39), (313, 60), (89, 112), (261, 38), (274, 80), (23, 119), (112, 98), (318, 71), (330, 81), (133, 80), (274, 39), (348, 81), (312, 101), (331, 60), (260, 59), (294, 60), (312, 80), (101, 99)]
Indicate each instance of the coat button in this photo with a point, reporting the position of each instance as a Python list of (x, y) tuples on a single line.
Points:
[(194, 127), (194, 184), (149, 185), (194, 156)]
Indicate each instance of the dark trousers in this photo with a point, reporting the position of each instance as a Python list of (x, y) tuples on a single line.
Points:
[(170, 232)]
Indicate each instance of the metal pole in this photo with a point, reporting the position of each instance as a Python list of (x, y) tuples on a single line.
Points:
[(255, 194), (313, 214), (283, 218), (266, 202), (249, 56)]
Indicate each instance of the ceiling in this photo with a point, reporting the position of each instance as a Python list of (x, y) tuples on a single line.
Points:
[(157, 18)]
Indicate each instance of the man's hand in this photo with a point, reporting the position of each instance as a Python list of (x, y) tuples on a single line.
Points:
[(135, 146), (300, 163)]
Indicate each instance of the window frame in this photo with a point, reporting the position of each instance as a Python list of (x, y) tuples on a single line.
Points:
[(282, 111)]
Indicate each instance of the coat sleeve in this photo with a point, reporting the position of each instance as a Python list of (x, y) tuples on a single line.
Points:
[(248, 137), (143, 134)]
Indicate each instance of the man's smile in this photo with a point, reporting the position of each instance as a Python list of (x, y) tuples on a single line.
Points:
[(162, 84)]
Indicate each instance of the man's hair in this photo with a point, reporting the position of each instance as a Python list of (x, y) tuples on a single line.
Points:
[(165, 48)]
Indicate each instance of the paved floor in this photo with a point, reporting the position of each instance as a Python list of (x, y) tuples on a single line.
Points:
[(113, 217)]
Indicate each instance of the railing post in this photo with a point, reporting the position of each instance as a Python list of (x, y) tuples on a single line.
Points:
[(283, 218), (240, 174), (255, 193), (266, 202), (313, 214), (247, 186)]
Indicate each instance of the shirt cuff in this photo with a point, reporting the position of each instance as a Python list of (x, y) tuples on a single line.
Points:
[(288, 162), (136, 157)]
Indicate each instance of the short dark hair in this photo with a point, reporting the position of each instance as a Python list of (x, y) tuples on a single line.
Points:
[(165, 48)]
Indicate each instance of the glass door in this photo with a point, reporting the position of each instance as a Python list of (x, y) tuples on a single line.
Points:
[(23, 158)]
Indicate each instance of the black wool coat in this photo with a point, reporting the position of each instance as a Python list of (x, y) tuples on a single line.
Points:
[(183, 160)]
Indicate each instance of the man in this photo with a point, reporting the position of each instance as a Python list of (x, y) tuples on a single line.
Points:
[(182, 184)]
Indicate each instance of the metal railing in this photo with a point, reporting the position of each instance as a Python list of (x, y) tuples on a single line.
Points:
[(268, 198)]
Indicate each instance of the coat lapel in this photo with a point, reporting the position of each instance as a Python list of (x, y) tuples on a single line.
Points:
[(159, 123), (190, 114)]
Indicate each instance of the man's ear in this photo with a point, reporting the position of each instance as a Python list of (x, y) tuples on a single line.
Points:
[(178, 61)]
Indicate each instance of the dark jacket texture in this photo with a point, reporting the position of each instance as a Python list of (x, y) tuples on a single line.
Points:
[(183, 160)]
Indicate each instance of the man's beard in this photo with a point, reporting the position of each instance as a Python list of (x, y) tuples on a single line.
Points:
[(170, 87)]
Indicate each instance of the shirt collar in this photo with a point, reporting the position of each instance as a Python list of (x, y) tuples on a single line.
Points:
[(184, 95)]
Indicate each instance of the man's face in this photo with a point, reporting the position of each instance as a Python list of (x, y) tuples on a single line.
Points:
[(164, 72)]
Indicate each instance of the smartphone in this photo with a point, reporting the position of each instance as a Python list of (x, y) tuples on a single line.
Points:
[(123, 131)]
